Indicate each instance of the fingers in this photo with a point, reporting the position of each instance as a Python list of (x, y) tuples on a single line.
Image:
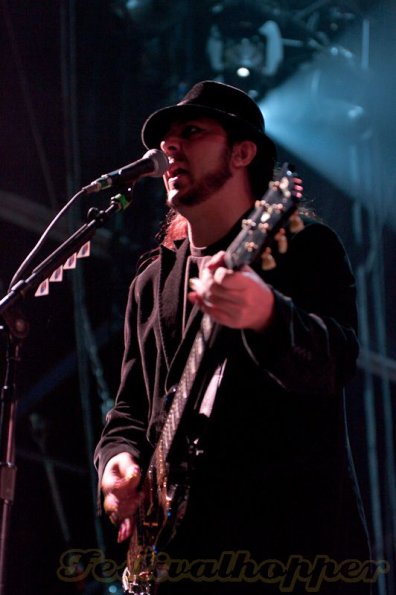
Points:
[(128, 479), (125, 530), (110, 505), (237, 299), (120, 483), (118, 508), (223, 276), (121, 473), (224, 284), (215, 261), (122, 513)]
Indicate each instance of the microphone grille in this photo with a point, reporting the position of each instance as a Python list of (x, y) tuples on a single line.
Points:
[(159, 160)]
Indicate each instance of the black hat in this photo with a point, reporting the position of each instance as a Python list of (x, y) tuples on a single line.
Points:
[(225, 103)]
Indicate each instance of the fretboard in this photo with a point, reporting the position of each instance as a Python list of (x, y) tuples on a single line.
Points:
[(184, 389)]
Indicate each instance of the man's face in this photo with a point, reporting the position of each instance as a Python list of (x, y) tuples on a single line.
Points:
[(199, 154)]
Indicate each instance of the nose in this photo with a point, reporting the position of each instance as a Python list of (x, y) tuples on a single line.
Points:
[(170, 144)]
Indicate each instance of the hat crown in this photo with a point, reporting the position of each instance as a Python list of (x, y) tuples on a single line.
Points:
[(226, 99)]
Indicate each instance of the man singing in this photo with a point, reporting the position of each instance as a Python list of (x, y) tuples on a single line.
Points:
[(273, 504)]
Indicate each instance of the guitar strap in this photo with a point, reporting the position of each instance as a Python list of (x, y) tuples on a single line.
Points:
[(211, 391), (194, 265)]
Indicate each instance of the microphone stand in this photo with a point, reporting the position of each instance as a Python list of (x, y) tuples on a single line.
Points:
[(18, 329)]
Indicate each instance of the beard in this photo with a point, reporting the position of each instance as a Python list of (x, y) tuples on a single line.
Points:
[(201, 190)]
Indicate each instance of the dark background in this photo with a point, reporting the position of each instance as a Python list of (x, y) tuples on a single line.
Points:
[(77, 81)]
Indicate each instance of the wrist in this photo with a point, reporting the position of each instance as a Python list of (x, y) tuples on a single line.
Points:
[(266, 314)]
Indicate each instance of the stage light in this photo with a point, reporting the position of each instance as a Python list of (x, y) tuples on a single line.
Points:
[(244, 47), (321, 114), (243, 72), (258, 45), (257, 56)]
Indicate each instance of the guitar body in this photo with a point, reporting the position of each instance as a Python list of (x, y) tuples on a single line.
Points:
[(162, 509), (166, 484), (165, 508)]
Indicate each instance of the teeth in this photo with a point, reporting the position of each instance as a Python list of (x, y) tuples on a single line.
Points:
[(176, 172)]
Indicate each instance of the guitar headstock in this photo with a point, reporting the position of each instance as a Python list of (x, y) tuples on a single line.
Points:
[(266, 221)]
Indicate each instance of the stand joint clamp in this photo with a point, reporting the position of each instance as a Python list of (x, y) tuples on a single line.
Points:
[(7, 481)]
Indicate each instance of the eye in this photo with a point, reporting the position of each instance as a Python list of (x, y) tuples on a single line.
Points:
[(190, 130)]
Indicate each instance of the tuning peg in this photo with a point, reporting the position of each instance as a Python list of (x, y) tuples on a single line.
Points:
[(296, 224), (267, 260), (281, 240)]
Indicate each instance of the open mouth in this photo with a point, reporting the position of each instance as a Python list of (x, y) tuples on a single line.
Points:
[(176, 173)]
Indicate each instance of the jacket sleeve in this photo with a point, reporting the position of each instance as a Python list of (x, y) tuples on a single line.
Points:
[(311, 345), (126, 423)]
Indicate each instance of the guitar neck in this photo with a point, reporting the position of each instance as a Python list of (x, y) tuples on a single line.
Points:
[(190, 380)]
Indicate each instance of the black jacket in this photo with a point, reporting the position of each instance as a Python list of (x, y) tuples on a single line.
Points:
[(277, 478)]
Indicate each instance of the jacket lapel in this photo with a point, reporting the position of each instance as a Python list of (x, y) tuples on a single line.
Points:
[(171, 295)]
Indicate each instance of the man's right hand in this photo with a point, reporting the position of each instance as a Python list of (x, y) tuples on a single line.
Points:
[(120, 482)]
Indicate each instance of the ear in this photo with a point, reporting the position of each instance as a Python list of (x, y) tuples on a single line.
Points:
[(243, 153)]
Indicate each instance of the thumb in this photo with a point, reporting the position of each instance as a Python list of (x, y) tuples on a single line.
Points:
[(120, 470), (216, 261), (129, 476)]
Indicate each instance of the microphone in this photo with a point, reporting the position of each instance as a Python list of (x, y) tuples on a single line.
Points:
[(154, 163)]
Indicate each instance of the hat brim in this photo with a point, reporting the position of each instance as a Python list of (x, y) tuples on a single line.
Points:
[(156, 125)]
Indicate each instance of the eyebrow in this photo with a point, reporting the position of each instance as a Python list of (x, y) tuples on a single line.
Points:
[(198, 120)]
